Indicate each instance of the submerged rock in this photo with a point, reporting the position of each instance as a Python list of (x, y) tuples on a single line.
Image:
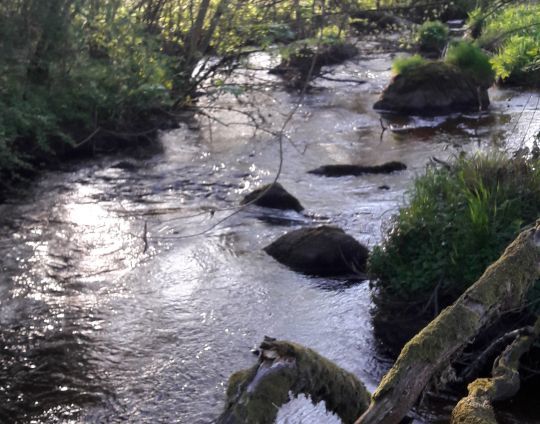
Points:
[(431, 89), (323, 251), (273, 196), (344, 170)]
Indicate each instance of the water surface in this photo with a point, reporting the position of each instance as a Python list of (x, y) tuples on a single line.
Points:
[(122, 300)]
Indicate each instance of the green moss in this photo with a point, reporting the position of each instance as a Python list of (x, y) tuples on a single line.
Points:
[(511, 276), (469, 411), (501, 288), (253, 398), (237, 381), (456, 324), (405, 65), (513, 34)]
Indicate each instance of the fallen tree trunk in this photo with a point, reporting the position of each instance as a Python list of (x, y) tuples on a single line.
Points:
[(255, 395), (501, 288), (477, 406)]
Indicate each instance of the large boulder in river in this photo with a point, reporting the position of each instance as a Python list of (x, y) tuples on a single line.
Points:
[(324, 251), (273, 196), (355, 170), (433, 88)]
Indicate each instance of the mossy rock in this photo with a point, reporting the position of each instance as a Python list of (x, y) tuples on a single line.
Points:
[(273, 196), (433, 88), (323, 251)]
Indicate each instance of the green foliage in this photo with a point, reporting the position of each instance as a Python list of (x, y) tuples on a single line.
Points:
[(82, 67), (402, 65), (68, 67), (457, 222), (432, 36), (475, 22), (514, 33), (519, 54), (471, 59)]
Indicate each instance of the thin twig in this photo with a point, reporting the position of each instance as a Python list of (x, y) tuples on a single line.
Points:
[(87, 139), (145, 236)]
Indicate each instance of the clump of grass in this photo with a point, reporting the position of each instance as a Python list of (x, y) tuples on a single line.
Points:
[(403, 65), (471, 59), (457, 222), (432, 36)]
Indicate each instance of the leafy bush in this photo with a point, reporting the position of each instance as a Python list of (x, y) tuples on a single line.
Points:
[(402, 65), (514, 33), (107, 72), (457, 222), (519, 55), (517, 19), (432, 36), (471, 59)]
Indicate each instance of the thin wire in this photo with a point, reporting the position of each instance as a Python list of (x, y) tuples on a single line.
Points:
[(530, 121), (521, 114)]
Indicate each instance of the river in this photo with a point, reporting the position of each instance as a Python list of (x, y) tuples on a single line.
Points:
[(121, 300)]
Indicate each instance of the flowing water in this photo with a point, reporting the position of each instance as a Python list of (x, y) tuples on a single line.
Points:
[(117, 304)]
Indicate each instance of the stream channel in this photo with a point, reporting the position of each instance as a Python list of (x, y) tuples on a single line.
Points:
[(99, 326)]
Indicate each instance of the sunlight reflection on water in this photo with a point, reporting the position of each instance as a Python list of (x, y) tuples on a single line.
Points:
[(98, 329)]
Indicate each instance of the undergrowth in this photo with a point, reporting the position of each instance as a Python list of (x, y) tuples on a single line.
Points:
[(457, 221)]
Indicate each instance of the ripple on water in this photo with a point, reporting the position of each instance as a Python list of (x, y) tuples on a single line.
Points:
[(110, 312)]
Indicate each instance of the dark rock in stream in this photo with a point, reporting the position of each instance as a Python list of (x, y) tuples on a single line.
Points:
[(344, 170), (323, 251), (431, 89), (273, 196)]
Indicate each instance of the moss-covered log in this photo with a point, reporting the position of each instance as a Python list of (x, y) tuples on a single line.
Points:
[(254, 395), (501, 288), (477, 407)]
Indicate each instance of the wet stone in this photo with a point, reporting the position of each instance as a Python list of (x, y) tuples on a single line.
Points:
[(273, 196), (345, 170), (323, 251)]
